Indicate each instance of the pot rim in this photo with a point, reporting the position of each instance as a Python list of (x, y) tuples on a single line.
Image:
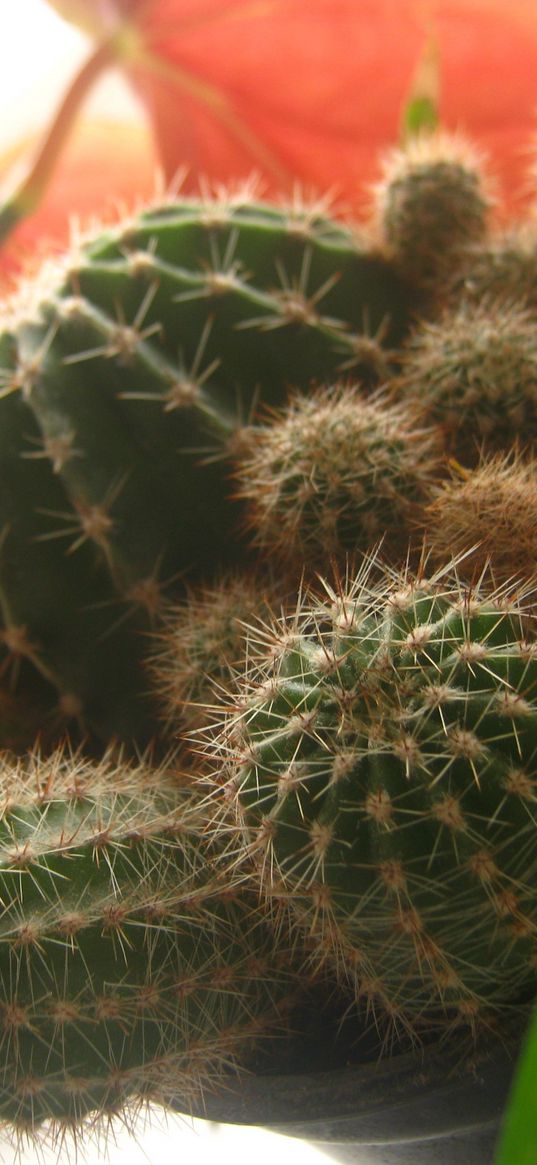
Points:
[(406, 1097)]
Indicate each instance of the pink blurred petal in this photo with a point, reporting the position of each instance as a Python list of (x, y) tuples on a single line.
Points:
[(312, 89)]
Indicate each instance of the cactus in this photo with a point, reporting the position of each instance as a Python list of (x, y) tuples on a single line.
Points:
[(489, 515), (209, 396), (127, 370), (130, 971), (201, 647), (431, 206), (333, 472), (382, 760), (503, 269), (473, 372)]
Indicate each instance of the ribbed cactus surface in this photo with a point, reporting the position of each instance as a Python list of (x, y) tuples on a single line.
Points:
[(383, 760), (127, 372), (129, 972)]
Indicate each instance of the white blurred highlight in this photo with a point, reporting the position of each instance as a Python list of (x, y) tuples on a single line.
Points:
[(40, 54)]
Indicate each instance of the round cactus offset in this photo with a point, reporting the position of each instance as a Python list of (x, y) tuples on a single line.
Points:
[(431, 207), (334, 472), (489, 515), (201, 648), (473, 372), (503, 269), (118, 947), (383, 763)]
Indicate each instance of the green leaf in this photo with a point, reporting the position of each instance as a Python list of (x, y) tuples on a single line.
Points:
[(420, 108), (518, 1140), (419, 115)]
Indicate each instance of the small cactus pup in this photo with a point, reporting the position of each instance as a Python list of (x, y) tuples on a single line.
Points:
[(334, 472), (431, 205), (126, 370), (487, 516), (131, 972), (382, 758), (503, 268), (201, 646), (473, 372)]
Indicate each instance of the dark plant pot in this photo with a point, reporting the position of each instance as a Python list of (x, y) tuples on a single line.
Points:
[(439, 1106)]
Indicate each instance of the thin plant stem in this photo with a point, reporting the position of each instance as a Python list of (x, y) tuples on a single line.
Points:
[(25, 199)]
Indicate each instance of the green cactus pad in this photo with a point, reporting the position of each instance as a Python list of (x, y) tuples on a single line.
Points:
[(383, 760), (127, 371)]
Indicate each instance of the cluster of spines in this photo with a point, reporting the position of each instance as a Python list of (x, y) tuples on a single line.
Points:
[(502, 270)]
